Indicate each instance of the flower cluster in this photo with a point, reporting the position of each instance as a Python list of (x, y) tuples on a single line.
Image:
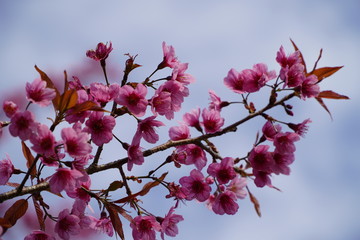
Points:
[(62, 156)]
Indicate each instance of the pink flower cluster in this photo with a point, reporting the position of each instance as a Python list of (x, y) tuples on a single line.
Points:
[(293, 74), (87, 117), (229, 187), (265, 162), (145, 227)]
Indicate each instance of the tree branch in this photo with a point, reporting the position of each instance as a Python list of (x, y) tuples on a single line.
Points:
[(169, 144)]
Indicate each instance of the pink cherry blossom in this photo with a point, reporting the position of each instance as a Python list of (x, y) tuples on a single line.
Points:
[(223, 171), (76, 84), (225, 202), (6, 170), (235, 81), (135, 155), (294, 76), (101, 53), (192, 119), (53, 160), (134, 99), (100, 127), (75, 142), (262, 178), (256, 78), (176, 191), (38, 235), (170, 59), (270, 130), (179, 74), (212, 120), (215, 101), (248, 80), (68, 224), (237, 185), (38, 93), (78, 191), (287, 61), (260, 158), (168, 98), (146, 128), (104, 225), (79, 163), (101, 93), (179, 132), (64, 179), (282, 160), (284, 142), (43, 140), (195, 186), (144, 227), (22, 125), (309, 87), (10, 108), (192, 154), (300, 128), (161, 103), (169, 224)]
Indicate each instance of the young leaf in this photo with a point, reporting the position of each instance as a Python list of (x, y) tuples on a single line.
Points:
[(50, 84), (29, 158), (323, 105), (86, 106), (121, 211), (115, 185), (16, 211), (331, 95), (324, 72), (115, 220), (150, 185), (68, 100)]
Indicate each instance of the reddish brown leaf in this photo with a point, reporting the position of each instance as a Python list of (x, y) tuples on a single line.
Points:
[(115, 220), (122, 212), (301, 56), (68, 100), (323, 105), (150, 185), (255, 202), (324, 72), (16, 211), (331, 95), (39, 213), (29, 158), (86, 106), (115, 185), (50, 84), (5, 223)]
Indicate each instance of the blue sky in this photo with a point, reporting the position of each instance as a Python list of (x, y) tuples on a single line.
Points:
[(319, 200)]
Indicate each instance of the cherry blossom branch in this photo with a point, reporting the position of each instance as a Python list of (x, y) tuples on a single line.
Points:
[(169, 144)]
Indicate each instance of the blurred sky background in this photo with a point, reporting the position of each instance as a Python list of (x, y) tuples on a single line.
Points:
[(320, 199)]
